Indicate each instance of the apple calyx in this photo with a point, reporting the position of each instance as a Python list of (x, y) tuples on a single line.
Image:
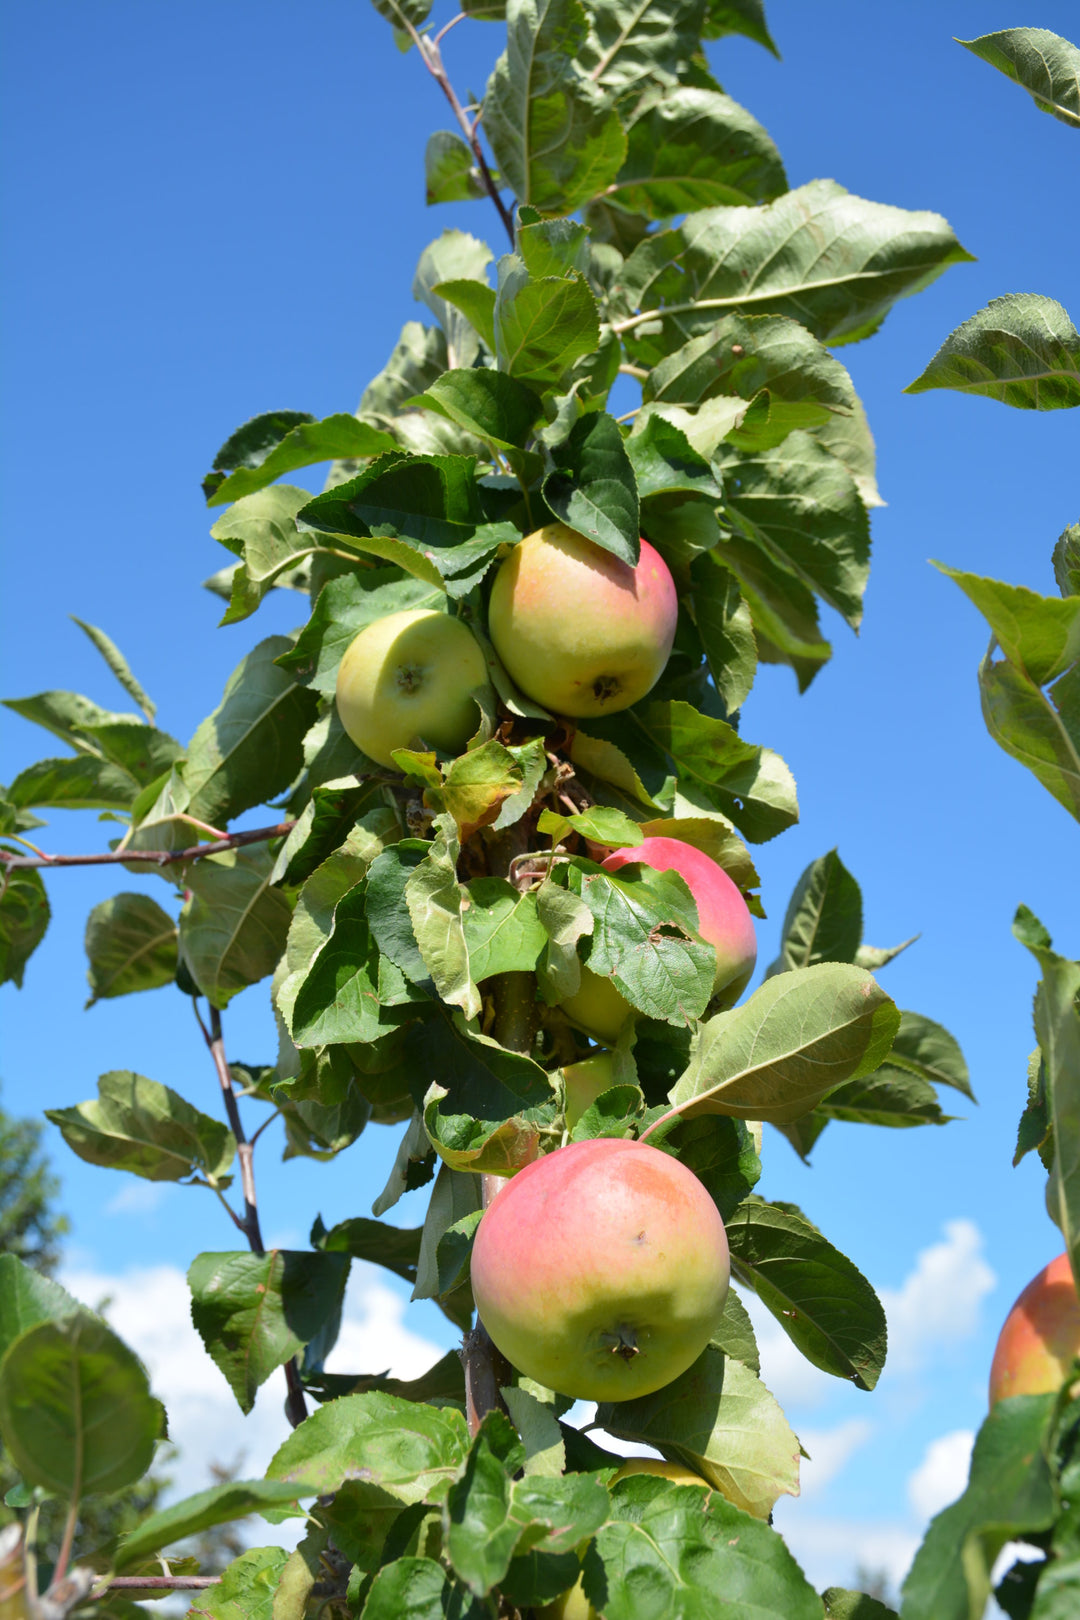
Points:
[(622, 1341)]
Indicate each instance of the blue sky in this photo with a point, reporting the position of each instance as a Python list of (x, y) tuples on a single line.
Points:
[(213, 210)]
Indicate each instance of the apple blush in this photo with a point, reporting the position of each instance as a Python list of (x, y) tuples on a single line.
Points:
[(601, 1269), (1035, 1348)]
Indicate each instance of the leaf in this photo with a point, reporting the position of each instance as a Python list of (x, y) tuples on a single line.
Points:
[(251, 746), (721, 1153), (721, 1421), (1042, 63), (608, 764), (455, 1201), (234, 925), (689, 149), (1057, 1027), (83, 783), (434, 898), (28, 1297), (258, 453), (799, 1035), (486, 1084), (542, 326), (419, 357), (1009, 1492), (799, 505), (429, 500), (450, 171), (821, 1300), (119, 666), (844, 1605), (419, 1589), (503, 931), (335, 811), (455, 256), (692, 1557), (824, 917), (600, 824), (477, 785), (817, 254), (535, 1422), (412, 1451), (593, 489), (630, 45), (1040, 635), (261, 530), (413, 1166), (556, 139), (726, 629), (921, 1047), (68, 715), (566, 919), (1041, 730), (247, 1587), (1021, 350), (850, 440), (254, 1311), (1067, 561), (338, 999), (783, 611), (221, 1503), (645, 940), (24, 917), (76, 1412), (735, 1334), (131, 945), (665, 462), (746, 17), (397, 1248), (138, 1125), (490, 404)]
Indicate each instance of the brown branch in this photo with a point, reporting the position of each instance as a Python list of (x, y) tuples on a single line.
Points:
[(150, 857), (431, 56), (295, 1404), (162, 1583)]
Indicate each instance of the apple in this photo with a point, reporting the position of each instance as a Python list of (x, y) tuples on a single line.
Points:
[(409, 677), (579, 630), (585, 1081), (724, 921), (1041, 1336), (601, 1269), (574, 1605)]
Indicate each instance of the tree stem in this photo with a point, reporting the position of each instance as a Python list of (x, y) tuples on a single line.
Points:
[(150, 857), (431, 56)]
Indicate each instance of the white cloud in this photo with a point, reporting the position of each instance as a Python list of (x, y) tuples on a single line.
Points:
[(939, 1301), (149, 1308), (829, 1451), (942, 1474), (831, 1550), (138, 1198)]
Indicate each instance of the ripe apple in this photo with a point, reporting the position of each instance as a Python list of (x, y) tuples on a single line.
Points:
[(601, 1269), (579, 630), (1041, 1336), (585, 1081), (409, 677), (724, 920)]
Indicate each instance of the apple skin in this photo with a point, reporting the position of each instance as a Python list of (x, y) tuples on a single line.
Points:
[(579, 630), (585, 1081), (410, 675), (1041, 1336), (724, 920), (601, 1269)]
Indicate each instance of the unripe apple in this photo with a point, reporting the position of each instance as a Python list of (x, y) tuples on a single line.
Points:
[(585, 1081), (724, 921), (409, 677), (601, 1269), (1041, 1336), (579, 630)]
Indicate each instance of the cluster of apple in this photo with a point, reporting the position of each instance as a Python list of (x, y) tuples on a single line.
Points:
[(584, 634)]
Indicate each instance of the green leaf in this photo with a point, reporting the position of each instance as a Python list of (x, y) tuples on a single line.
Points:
[(251, 746), (841, 1604), (1042, 63), (486, 1084), (119, 666), (1057, 1027), (593, 489), (887, 1097), (261, 530), (721, 1153), (76, 1412), (131, 945), (400, 12), (824, 917), (690, 149), (338, 999), (783, 612), (83, 783), (218, 1505), (542, 326), (1021, 350), (503, 931), (234, 925), (830, 260), (735, 1334), (925, 1049), (566, 919), (434, 898), (665, 462), (335, 811), (450, 170), (247, 1587), (1041, 730), (477, 784), (454, 1202), (454, 256), (490, 404), (536, 1423), (412, 1451), (254, 1311), (821, 1300), (726, 628), (645, 940), (419, 357), (556, 139), (1009, 1492), (746, 17), (693, 1558), (254, 466), (24, 917), (484, 1147), (27, 1297), (1067, 561), (419, 1589), (1040, 635), (630, 45), (138, 1125), (799, 1035), (600, 824), (429, 500), (721, 1421), (850, 440), (68, 715)]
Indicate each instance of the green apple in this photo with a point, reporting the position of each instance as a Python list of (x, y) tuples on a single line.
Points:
[(579, 630), (1041, 1336), (585, 1081), (601, 1269), (408, 678)]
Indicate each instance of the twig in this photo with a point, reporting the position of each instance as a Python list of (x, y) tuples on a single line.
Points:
[(295, 1405), (162, 1583), (69, 1537), (150, 857)]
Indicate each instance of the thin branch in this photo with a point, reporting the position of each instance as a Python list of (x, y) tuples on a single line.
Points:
[(69, 1538), (633, 371), (268, 1121), (151, 857), (451, 24), (162, 1583)]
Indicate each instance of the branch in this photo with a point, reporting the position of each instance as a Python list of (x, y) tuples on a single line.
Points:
[(162, 1583), (150, 857)]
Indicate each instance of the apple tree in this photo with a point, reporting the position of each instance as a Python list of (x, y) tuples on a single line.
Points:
[(428, 902)]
